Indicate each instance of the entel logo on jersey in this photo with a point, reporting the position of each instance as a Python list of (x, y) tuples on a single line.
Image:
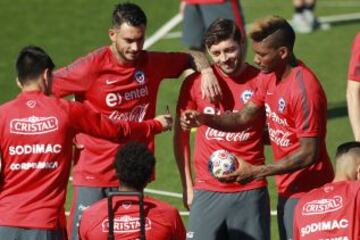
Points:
[(126, 224), (246, 95), (322, 206), (140, 77), (114, 99), (34, 125)]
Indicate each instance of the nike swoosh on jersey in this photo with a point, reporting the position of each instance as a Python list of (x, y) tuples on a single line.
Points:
[(109, 82)]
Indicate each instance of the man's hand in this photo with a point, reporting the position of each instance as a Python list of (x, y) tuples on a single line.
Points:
[(189, 119), (188, 195), (166, 121), (210, 86), (245, 173)]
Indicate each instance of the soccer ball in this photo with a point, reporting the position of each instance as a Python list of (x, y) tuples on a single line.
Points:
[(222, 162)]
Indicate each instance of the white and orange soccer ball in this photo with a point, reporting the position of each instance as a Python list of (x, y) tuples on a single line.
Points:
[(222, 162)]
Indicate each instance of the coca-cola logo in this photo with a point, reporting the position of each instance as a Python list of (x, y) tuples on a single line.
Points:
[(279, 137), (137, 114), (126, 224), (34, 125), (213, 134), (322, 206)]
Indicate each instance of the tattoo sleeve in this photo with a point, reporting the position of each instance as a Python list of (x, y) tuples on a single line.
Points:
[(304, 157), (232, 122), (199, 60)]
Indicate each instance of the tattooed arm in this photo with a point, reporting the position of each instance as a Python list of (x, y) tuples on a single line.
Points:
[(230, 122)]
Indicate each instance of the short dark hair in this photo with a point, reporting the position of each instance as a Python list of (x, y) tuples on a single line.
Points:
[(280, 30), (31, 62), (346, 147), (220, 30), (134, 165), (128, 13)]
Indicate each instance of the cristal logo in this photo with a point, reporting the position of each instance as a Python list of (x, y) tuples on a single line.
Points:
[(323, 206), (126, 224), (34, 125)]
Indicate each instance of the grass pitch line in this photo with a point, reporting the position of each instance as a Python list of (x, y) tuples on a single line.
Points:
[(339, 4), (163, 193), (332, 19), (340, 18), (166, 28), (187, 213)]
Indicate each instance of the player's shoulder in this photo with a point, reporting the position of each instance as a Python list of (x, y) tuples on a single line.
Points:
[(303, 73), (304, 79), (99, 52)]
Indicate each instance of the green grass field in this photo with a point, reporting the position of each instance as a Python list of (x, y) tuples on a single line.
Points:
[(69, 29)]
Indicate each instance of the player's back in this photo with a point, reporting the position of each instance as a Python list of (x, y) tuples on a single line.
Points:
[(162, 221), (35, 139), (329, 212)]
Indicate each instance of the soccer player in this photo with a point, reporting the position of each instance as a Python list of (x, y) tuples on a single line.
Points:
[(353, 88), (134, 165), (120, 81), (333, 211), (199, 14), (295, 106), (36, 133), (304, 19), (218, 208)]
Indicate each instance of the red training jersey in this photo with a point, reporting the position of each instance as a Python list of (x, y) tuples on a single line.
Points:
[(248, 143), (162, 221), (354, 65), (36, 133), (296, 108), (330, 212), (121, 92)]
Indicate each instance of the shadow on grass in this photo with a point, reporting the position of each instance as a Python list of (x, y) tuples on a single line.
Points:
[(337, 110)]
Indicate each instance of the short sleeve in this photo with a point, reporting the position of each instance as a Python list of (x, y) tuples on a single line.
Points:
[(354, 63), (310, 106), (260, 90), (186, 98), (75, 78)]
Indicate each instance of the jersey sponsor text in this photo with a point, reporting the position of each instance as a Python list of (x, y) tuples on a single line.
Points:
[(34, 149), (34, 125), (274, 117), (136, 114), (213, 134), (126, 224), (324, 226), (322, 206), (33, 165), (115, 98)]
